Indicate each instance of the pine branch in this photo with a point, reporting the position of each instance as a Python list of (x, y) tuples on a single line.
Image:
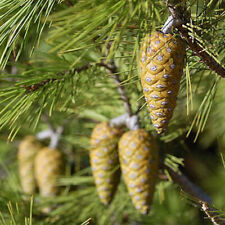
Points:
[(201, 53), (67, 2), (20, 20), (170, 24), (111, 67), (177, 14), (39, 92), (129, 119), (188, 186), (35, 87), (194, 190), (212, 214)]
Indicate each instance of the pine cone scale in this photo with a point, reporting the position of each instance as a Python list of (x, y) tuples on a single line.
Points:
[(139, 165), (104, 160), (49, 165), (162, 60), (28, 149)]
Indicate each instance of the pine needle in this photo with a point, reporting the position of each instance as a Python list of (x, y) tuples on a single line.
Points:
[(188, 89), (17, 21)]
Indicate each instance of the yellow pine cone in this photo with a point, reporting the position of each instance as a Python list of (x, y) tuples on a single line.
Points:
[(161, 65), (49, 165), (139, 158), (28, 148), (104, 160)]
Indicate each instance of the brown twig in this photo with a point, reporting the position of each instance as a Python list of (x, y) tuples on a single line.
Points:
[(202, 53), (193, 43), (194, 190), (67, 2), (212, 214), (35, 87), (180, 179), (188, 186), (111, 67)]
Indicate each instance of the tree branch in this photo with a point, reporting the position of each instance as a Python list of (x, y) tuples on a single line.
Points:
[(35, 87), (188, 186), (194, 190), (67, 2), (133, 124), (212, 214), (114, 73), (176, 20), (128, 119), (193, 43), (201, 53), (110, 67)]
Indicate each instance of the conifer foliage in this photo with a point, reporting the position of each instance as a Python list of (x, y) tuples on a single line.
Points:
[(108, 109)]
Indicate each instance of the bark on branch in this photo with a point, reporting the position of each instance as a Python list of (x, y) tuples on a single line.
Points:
[(35, 87), (188, 186), (177, 13), (111, 67), (192, 189), (202, 53), (212, 214), (67, 2)]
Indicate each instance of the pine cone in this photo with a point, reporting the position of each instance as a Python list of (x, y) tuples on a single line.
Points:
[(28, 149), (161, 64), (139, 158), (104, 160), (49, 165)]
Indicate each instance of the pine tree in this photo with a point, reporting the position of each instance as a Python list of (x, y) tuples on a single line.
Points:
[(68, 65)]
